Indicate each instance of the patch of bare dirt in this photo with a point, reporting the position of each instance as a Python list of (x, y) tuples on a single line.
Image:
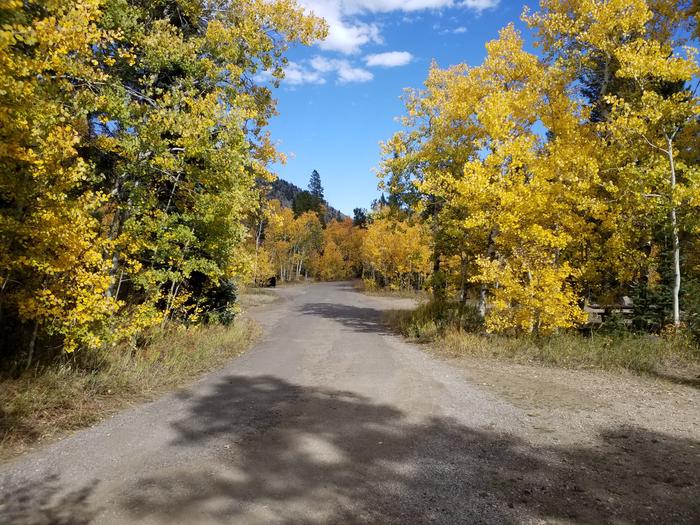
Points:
[(568, 404), (654, 448)]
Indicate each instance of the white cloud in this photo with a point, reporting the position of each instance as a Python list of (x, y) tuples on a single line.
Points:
[(347, 33), (354, 74), (480, 5), (390, 59), (385, 6), (323, 64), (343, 68), (316, 71), (296, 74), (452, 31), (262, 77)]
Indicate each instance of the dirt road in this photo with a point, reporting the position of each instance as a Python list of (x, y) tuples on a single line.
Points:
[(331, 419)]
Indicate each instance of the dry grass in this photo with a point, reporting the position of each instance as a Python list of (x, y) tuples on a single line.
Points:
[(673, 356), (252, 297), (402, 293), (46, 402)]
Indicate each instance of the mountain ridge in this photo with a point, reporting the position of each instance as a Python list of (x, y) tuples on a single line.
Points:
[(285, 192)]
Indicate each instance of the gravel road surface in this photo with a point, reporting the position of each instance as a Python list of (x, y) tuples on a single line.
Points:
[(332, 419)]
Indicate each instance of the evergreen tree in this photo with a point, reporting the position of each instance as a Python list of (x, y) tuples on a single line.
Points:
[(315, 187), (359, 217), (306, 201)]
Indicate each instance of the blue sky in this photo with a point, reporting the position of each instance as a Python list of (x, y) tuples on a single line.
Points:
[(341, 97)]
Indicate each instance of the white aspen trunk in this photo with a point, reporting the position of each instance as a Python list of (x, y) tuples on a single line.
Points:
[(168, 304), (256, 277), (482, 302), (259, 236), (119, 286), (483, 292), (676, 241)]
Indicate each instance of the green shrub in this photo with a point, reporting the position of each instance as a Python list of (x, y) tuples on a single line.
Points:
[(691, 308)]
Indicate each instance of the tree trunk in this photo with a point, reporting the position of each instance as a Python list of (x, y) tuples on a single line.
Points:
[(676, 241), (119, 286), (168, 303), (2, 301), (603, 110), (482, 301), (32, 344), (463, 283), (114, 231), (490, 252), (258, 237), (439, 284)]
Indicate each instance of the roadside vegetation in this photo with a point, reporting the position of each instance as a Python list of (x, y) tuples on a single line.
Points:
[(133, 162), (549, 203), (130, 177), (452, 333), (84, 387), (368, 287), (254, 296)]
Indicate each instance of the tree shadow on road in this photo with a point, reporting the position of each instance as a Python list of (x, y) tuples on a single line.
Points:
[(297, 454), (46, 503), (357, 319)]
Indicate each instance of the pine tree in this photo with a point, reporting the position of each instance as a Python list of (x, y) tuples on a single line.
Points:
[(359, 217), (315, 187), (306, 201)]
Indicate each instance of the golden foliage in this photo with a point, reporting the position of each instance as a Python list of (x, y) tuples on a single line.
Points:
[(396, 253), (130, 146), (545, 179)]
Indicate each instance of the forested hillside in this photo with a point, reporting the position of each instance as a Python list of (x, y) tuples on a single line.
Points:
[(287, 193)]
